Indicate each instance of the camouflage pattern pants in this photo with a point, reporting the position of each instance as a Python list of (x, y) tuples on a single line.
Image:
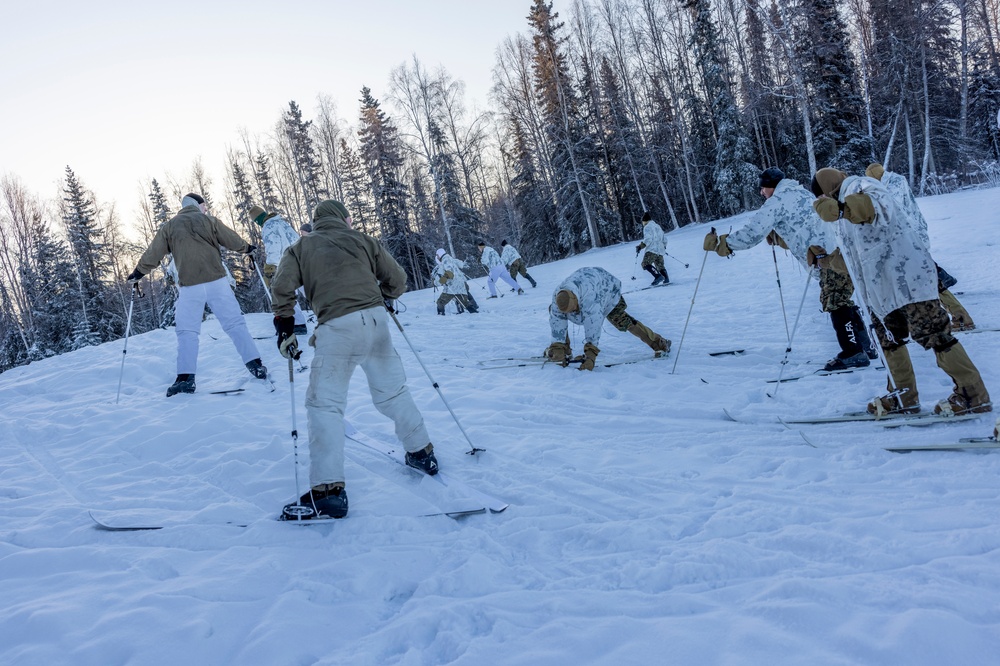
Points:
[(926, 322), (445, 299), (619, 318), (654, 260), (835, 290), (518, 268)]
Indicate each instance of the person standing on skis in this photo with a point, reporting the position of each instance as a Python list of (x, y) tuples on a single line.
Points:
[(788, 220), (349, 278), (495, 269), (193, 238), (655, 243), (277, 235), (511, 258), (893, 271), (448, 274)]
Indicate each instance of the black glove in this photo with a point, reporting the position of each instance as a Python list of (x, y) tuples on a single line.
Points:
[(638, 249), (287, 344), (389, 305), (134, 276)]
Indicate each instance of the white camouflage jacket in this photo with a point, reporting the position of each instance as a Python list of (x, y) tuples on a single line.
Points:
[(509, 255), (277, 235), (887, 259), (456, 285), (789, 212), (899, 188), (597, 292), (653, 238), (490, 258)]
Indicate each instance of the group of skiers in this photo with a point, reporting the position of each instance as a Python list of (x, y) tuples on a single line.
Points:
[(864, 234), (867, 236)]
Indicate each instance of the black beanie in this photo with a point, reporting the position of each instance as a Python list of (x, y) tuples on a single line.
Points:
[(646, 217), (771, 177)]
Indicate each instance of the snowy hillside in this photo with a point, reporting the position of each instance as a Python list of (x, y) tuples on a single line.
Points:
[(643, 528)]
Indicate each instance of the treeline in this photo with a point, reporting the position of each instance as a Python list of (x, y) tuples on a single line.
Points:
[(670, 106)]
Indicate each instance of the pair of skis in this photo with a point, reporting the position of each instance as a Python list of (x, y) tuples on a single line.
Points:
[(539, 361)]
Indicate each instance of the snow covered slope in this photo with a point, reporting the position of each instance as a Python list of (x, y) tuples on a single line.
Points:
[(644, 527)]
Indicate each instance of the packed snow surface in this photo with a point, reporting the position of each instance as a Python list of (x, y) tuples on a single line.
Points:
[(644, 527)]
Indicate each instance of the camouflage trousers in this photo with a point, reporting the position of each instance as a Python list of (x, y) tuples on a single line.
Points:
[(444, 299), (517, 267), (927, 322), (619, 318), (835, 290), (654, 260)]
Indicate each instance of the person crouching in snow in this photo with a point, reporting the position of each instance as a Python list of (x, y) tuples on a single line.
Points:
[(448, 274), (586, 298), (892, 269)]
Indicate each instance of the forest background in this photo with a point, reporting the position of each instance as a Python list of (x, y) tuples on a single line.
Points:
[(621, 107)]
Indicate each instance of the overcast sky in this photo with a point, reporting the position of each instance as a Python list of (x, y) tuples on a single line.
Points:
[(127, 91)]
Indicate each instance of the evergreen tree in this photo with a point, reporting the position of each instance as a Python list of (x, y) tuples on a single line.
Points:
[(79, 218), (734, 175), (382, 155), (264, 184), (357, 189), (307, 164)]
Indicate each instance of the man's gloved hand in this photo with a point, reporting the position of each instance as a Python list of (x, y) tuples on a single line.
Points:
[(723, 248), (639, 247), (270, 270), (815, 254), (858, 208), (774, 239), (558, 352), (590, 353), (828, 209), (134, 276), (711, 242), (390, 305), (287, 344)]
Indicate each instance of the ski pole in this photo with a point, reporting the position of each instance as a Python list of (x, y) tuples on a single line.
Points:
[(781, 296), (635, 265), (684, 332), (795, 326), (473, 448), (676, 259), (128, 329), (893, 388), (299, 511)]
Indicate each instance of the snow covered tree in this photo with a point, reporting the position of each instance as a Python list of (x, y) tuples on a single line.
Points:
[(305, 161)]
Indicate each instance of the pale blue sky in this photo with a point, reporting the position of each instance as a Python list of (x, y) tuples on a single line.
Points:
[(125, 91)]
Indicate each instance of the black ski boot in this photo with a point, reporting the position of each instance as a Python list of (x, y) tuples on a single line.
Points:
[(326, 501), (656, 276), (183, 384), (531, 280), (440, 310), (257, 369), (423, 460), (840, 362), (666, 278)]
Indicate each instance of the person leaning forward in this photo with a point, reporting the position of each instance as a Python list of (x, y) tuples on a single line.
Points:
[(586, 298), (349, 279), (892, 269), (193, 238)]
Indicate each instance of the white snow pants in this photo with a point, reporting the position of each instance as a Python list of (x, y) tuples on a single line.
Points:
[(504, 274), (359, 338), (188, 313)]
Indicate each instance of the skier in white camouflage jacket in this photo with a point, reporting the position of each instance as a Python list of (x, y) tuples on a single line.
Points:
[(893, 271), (449, 276), (961, 320), (586, 298), (277, 235), (490, 259), (655, 243), (511, 258), (787, 219)]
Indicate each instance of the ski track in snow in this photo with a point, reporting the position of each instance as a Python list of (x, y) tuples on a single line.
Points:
[(642, 523)]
